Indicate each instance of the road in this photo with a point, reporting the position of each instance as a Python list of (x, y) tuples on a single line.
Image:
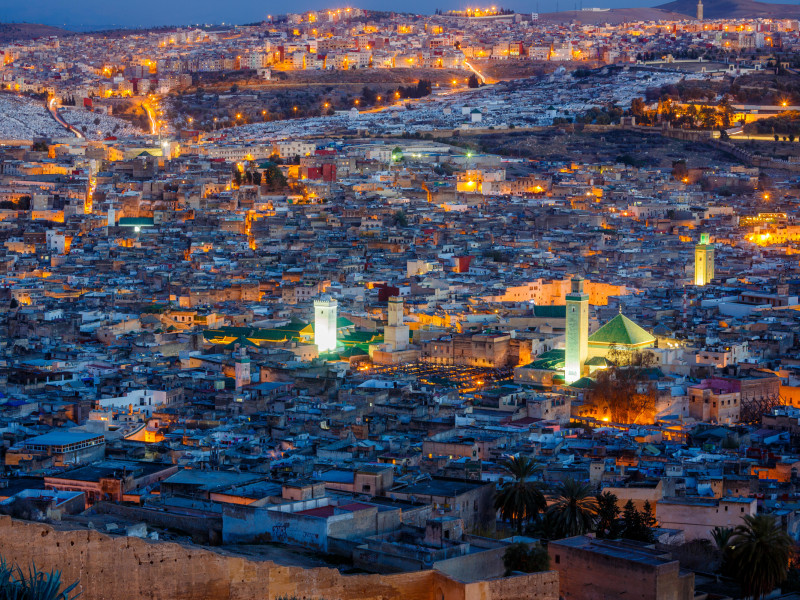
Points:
[(51, 107), (151, 114), (477, 73)]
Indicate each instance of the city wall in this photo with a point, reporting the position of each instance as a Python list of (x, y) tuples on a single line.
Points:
[(127, 568)]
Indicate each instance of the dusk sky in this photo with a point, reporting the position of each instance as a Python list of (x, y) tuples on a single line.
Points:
[(92, 14)]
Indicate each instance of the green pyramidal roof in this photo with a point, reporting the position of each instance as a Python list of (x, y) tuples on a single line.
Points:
[(621, 331)]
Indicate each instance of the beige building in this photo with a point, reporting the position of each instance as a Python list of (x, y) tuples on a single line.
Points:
[(698, 516)]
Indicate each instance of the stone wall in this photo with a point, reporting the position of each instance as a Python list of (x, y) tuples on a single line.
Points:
[(126, 568)]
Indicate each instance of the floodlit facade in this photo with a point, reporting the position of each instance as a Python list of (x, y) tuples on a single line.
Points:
[(325, 323), (703, 261), (577, 342)]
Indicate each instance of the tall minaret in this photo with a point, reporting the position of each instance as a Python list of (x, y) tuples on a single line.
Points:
[(577, 346), (699, 10), (395, 334), (241, 367), (703, 261), (325, 309)]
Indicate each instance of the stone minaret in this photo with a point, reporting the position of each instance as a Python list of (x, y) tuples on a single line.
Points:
[(577, 334)]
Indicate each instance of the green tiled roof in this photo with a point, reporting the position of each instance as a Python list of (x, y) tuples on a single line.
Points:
[(552, 360), (354, 351), (243, 335), (135, 222), (621, 331), (550, 312), (582, 383), (598, 361), (360, 337)]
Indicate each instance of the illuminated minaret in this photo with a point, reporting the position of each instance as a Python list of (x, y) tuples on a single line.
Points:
[(699, 10), (577, 334), (703, 261), (325, 323), (395, 334), (241, 367)]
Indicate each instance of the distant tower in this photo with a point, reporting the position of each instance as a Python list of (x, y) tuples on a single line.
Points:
[(395, 334), (577, 346), (111, 217), (685, 310), (325, 323), (241, 367), (699, 10), (703, 261)]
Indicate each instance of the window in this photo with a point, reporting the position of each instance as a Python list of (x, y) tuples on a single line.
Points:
[(558, 559), (365, 487)]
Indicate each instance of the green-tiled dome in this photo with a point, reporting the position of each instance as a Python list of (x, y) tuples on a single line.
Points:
[(621, 331)]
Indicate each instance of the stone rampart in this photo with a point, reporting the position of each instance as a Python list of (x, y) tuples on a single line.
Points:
[(129, 568)]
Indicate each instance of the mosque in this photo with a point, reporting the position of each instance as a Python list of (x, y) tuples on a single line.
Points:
[(583, 354), (329, 336)]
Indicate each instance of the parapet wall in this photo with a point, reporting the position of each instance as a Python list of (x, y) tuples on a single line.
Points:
[(127, 568)]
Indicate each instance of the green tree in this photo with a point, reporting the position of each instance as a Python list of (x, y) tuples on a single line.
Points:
[(624, 392), (575, 509), (521, 557), (608, 525), (648, 516), (473, 81), (679, 169), (520, 498), (636, 524), (760, 552), (274, 178)]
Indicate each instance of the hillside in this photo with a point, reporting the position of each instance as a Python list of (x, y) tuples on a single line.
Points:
[(735, 9), (613, 16), (26, 31)]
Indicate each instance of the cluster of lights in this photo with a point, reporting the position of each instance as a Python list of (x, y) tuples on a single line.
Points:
[(481, 12)]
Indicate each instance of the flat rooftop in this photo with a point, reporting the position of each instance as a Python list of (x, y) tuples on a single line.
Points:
[(111, 468), (615, 549), (439, 487)]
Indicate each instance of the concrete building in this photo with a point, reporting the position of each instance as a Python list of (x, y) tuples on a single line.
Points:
[(59, 448), (592, 569)]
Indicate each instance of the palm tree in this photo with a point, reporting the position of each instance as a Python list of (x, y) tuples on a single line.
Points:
[(722, 540), (575, 509), (520, 498), (760, 552)]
